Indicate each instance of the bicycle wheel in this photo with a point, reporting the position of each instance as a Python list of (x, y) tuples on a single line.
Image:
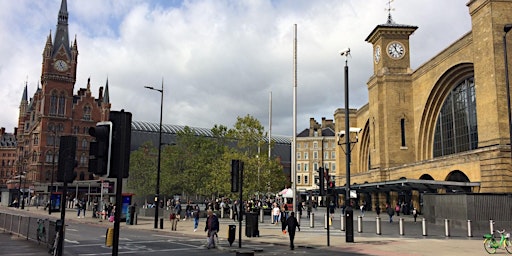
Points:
[(489, 246), (508, 246)]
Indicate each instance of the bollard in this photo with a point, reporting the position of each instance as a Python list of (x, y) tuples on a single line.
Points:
[(470, 232), (491, 226), (401, 226), (377, 224), (161, 223), (222, 213), (312, 220), (342, 222), (261, 215), (446, 227), (231, 213), (359, 224), (109, 238), (135, 218), (326, 220), (424, 226)]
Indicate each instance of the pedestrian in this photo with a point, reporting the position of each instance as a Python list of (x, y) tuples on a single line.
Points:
[(195, 214), (332, 209), (275, 213), (390, 212), (78, 208), (211, 227), (177, 210), (414, 214), (377, 209), (292, 224), (361, 207), (84, 207), (397, 209), (174, 221)]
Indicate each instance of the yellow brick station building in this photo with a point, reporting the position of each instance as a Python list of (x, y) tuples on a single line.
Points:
[(441, 128)]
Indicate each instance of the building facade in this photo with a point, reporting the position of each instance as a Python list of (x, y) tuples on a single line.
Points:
[(8, 158), (54, 111), (443, 127), (316, 147)]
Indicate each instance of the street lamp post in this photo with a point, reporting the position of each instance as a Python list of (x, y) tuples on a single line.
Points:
[(506, 29), (157, 193)]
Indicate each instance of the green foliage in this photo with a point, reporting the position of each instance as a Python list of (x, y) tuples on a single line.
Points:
[(198, 165)]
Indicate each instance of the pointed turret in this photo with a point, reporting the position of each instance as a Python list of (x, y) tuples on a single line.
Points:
[(61, 35), (24, 98), (106, 97)]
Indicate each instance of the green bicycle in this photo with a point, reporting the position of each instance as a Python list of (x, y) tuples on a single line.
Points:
[(491, 244)]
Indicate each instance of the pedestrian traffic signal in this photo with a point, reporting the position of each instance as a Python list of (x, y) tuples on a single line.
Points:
[(67, 163), (321, 184), (99, 150)]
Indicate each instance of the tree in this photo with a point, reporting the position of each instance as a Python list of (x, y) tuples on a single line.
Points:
[(143, 167)]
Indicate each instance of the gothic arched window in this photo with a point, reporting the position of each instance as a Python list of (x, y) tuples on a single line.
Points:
[(456, 127), (62, 104), (53, 103)]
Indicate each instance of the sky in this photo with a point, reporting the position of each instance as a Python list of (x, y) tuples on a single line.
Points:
[(218, 59)]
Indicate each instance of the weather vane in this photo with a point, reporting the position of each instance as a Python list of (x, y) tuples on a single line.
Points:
[(389, 9)]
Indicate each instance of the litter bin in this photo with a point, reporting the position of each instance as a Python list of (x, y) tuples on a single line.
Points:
[(251, 225), (231, 234)]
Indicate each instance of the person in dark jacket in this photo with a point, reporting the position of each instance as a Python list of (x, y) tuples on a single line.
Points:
[(212, 227), (292, 224)]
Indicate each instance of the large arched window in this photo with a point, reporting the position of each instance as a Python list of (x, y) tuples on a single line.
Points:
[(456, 127)]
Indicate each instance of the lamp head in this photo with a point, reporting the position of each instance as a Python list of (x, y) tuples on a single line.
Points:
[(507, 28)]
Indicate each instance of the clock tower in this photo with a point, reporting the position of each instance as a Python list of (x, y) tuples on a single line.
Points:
[(58, 73), (391, 47), (390, 96)]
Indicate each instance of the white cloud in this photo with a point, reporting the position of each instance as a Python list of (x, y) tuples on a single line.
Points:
[(218, 59)]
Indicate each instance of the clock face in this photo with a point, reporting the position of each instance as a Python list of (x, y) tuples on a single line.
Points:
[(61, 65), (377, 54), (396, 50)]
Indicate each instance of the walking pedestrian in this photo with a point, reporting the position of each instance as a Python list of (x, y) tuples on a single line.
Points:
[(390, 212), (195, 214), (174, 221), (414, 214), (292, 224), (212, 227)]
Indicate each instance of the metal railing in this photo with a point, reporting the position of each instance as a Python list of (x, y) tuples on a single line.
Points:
[(27, 227)]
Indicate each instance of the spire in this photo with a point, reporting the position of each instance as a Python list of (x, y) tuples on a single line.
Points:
[(89, 84), (61, 34), (106, 98), (24, 98)]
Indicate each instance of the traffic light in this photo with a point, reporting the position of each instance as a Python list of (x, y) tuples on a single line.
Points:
[(99, 150), (67, 163), (237, 168), (121, 142), (321, 181)]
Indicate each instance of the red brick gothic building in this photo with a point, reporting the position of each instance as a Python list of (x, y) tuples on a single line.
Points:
[(54, 111)]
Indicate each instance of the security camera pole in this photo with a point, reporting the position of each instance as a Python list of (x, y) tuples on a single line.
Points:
[(349, 218)]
